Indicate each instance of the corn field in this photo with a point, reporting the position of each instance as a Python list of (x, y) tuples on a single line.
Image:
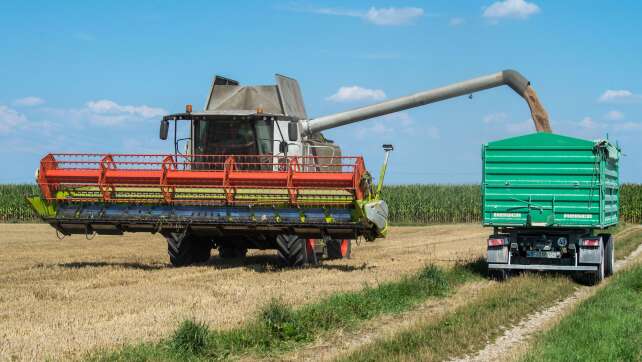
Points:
[(13, 206), (408, 204), (433, 204)]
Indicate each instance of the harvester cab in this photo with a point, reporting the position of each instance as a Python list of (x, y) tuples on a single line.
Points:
[(251, 121), (257, 173)]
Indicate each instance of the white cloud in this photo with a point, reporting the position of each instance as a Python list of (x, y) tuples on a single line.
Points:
[(515, 9), (107, 112), (520, 127), (501, 121), (620, 95), (499, 117), (393, 123), (614, 115), (457, 21), (391, 16), (588, 123), (402, 118), (10, 119), (84, 36), (356, 93), (102, 112), (432, 132), (377, 128), (29, 101), (628, 126)]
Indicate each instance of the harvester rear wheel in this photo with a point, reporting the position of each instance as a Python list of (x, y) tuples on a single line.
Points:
[(338, 248), (202, 250), (294, 250)]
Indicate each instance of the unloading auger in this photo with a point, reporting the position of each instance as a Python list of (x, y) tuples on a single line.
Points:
[(257, 173)]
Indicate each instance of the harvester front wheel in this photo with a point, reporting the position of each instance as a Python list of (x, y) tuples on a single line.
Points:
[(338, 248), (294, 250), (185, 249)]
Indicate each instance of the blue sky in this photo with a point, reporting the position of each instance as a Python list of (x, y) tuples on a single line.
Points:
[(96, 76)]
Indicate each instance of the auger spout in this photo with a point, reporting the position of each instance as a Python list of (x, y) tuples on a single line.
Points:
[(510, 78)]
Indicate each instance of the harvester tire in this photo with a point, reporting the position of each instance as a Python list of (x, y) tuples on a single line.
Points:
[(202, 250), (293, 250), (338, 248), (184, 249), (227, 252), (180, 249)]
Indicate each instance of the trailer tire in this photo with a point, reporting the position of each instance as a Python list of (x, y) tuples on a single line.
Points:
[(594, 278), (227, 252), (609, 255), (498, 274), (293, 251), (338, 248)]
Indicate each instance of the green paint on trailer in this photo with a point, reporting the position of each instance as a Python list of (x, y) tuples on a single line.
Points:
[(549, 180)]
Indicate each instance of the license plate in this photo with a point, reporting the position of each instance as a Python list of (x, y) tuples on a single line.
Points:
[(543, 254)]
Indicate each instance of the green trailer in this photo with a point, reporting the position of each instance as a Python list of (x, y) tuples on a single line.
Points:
[(551, 200)]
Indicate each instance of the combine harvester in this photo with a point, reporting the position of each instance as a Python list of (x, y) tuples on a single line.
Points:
[(258, 173)]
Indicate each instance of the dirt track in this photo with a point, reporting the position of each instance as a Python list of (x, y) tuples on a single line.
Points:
[(62, 298)]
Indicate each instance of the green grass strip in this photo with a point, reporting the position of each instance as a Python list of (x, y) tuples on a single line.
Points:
[(605, 327), (279, 327), (468, 328)]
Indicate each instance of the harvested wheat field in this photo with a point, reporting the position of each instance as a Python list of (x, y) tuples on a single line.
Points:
[(60, 299)]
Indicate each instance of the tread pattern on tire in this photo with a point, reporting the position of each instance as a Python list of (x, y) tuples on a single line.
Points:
[(595, 278), (499, 275), (609, 251), (292, 250), (185, 249)]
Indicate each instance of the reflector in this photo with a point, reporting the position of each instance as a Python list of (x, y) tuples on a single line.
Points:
[(591, 242)]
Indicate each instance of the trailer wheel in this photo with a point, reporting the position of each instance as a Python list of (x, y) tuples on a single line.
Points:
[(338, 248), (227, 252), (609, 255), (594, 278), (181, 249), (294, 250), (498, 274)]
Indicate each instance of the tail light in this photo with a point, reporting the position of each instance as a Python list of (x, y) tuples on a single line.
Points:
[(591, 242), (496, 242)]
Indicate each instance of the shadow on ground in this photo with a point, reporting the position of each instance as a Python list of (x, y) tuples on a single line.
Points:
[(256, 263), (270, 263), (102, 264)]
